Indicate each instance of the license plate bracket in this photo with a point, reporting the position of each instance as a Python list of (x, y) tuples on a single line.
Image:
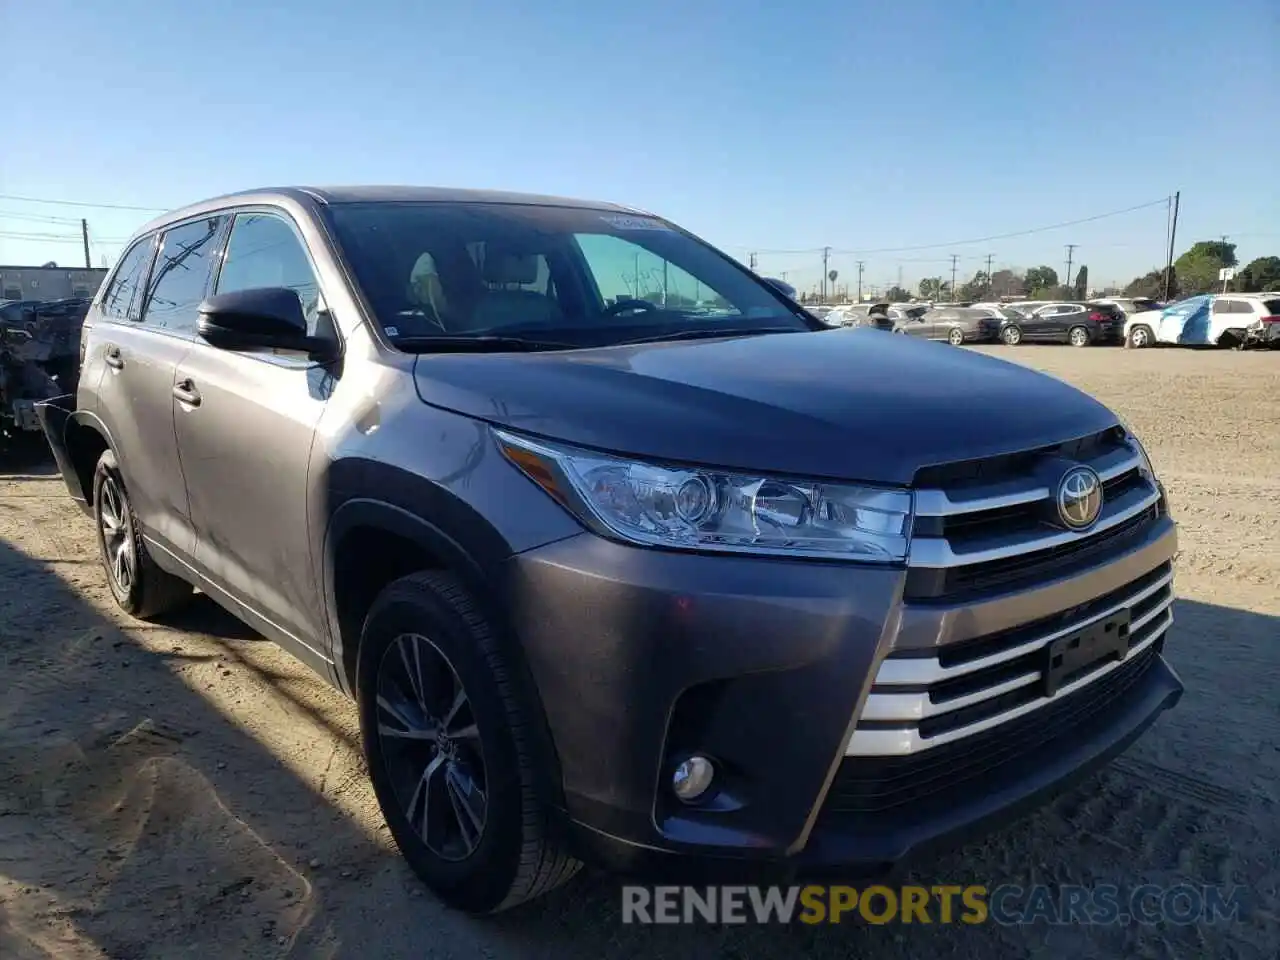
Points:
[(1102, 640)]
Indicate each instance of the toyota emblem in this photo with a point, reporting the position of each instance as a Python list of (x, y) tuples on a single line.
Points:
[(1079, 498)]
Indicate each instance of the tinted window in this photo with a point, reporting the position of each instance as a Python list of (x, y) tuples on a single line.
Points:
[(181, 274), (264, 251), (1222, 306), (119, 299), (1241, 306), (1273, 307)]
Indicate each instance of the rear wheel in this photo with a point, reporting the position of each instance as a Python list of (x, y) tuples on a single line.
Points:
[(955, 337), (449, 750), (1078, 337), (137, 584), (1140, 336), (1011, 335)]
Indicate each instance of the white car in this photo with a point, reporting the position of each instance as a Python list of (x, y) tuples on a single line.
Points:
[(1223, 320)]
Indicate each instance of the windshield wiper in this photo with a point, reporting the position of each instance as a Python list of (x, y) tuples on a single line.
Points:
[(477, 344), (709, 334)]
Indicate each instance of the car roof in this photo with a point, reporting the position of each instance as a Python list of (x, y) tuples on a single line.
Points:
[(379, 193)]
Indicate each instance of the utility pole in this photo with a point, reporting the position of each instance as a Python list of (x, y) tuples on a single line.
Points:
[(753, 262), (1071, 249), (860, 266), (1225, 281), (899, 284), (954, 258), (1173, 233), (990, 257), (84, 234), (826, 255)]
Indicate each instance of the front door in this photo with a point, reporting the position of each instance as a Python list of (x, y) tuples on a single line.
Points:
[(245, 432)]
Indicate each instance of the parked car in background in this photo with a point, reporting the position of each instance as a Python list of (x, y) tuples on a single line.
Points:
[(39, 358), (1129, 305), (609, 578), (1065, 321), (1221, 320), (863, 315), (956, 325)]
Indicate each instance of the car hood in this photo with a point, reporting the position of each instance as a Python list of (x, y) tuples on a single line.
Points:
[(842, 404)]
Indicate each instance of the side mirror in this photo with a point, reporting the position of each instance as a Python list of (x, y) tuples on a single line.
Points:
[(259, 318), (784, 288)]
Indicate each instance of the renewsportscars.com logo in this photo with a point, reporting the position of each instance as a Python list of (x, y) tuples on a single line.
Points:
[(1007, 904)]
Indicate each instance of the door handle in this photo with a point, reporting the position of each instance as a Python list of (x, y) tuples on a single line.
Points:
[(113, 357), (187, 393)]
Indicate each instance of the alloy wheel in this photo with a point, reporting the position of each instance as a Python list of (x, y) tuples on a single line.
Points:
[(1079, 337), (431, 747), (117, 535), (955, 337), (1138, 337), (1012, 336)]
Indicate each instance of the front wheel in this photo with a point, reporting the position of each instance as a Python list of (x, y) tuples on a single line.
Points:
[(1140, 336), (955, 337), (139, 587), (1011, 335), (448, 747), (1078, 337)]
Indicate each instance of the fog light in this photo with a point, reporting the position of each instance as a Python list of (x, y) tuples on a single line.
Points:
[(692, 778)]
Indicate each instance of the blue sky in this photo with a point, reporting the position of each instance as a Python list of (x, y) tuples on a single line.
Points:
[(865, 126)]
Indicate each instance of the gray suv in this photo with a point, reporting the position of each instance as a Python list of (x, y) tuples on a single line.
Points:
[(624, 556)]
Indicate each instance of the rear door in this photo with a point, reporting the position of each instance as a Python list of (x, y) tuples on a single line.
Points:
[(135, 395)]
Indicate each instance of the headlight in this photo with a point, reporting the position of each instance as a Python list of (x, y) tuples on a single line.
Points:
[(696, 509)]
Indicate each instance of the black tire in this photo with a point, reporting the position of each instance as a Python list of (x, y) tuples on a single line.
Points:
[(955, 337), (1011, 335), (509, 857), (144, 591), (1140, 337), (1079, 337)]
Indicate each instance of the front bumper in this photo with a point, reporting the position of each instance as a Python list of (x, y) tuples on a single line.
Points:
[(642, 657)]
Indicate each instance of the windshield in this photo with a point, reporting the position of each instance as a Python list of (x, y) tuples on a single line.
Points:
[(559, 275)]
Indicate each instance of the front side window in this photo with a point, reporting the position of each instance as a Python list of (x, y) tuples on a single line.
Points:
[(181, 275), (559, 275), (264, 251), (120, 301)]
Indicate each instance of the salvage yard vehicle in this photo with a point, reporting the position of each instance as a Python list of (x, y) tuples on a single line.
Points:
[(1075, 322), (956, 325), (612, 575), (39, 359), (1237, 320)]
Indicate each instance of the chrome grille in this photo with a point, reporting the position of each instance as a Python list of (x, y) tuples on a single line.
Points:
[(920, 702), (985, 526)]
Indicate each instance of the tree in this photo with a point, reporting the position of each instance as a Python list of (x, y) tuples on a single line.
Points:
[(934, 288), (1082, 283), (1261, 274), (975, 289), (1006, 283), (1198, 267), (1151, 285), (1042, 282), (897, 295)]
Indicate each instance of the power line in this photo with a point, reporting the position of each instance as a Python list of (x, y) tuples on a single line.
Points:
[(81, 203)]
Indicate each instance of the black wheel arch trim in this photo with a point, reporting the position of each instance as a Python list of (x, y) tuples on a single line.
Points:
[(61, 422), (392, 500)]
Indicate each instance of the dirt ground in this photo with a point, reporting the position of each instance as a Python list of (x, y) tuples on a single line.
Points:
[(189, 791)]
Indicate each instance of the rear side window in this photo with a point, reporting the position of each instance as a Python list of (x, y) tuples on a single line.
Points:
[(264, 251), (1223, 306), (120, 301), (1241, 306), (181, 275)]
